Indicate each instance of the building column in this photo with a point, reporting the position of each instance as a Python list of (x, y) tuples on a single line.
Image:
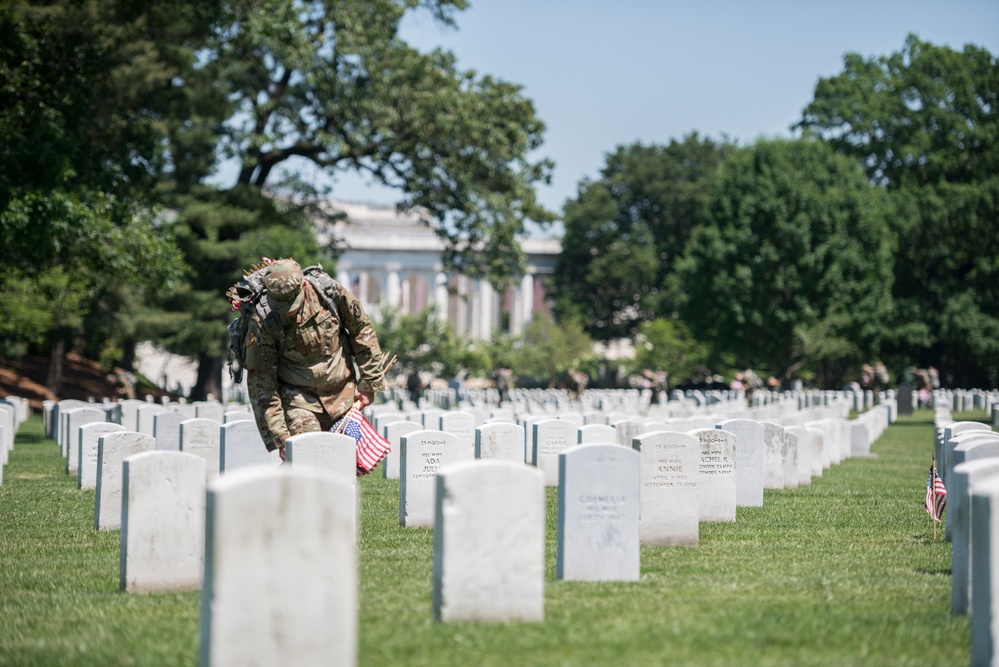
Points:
[(461, 306), (441, 295), (405, 301), (393, 290), (527, 298), (486, 295)]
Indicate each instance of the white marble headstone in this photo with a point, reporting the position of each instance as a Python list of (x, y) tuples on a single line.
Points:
[(500, 440), (212, 410), (671, 493), (74, 420), (166, 430), (393, 433), (595, 434), (203, 437), (333, 452), (598, 513), (462, 425), (423, 453), (717, 474), (804, 453), (112, 450), (86, 451), (489, 542), (145, 415), (965, 477), (240, 445), (162, 522), (773, 456), (550, 437), (280, 577), (985, 572), (749, 458)]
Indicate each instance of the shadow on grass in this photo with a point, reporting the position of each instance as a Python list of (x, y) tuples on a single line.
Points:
[(935, 573)]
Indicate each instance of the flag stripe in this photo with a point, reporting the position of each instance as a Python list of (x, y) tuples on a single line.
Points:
[(936, 495), (372, 448)]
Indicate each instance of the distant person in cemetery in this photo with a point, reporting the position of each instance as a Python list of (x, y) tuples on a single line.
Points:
[(578, 382), (934, 378), (881, 377), (657, 383), (737, 383), (308, 365), (503, 378), (414, 384), (751, 381), (866, 376)]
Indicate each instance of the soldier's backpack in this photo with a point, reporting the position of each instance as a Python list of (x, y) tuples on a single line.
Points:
[(246, 295)]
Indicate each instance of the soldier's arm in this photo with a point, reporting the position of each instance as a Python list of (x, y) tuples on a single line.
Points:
[(262, 385), (367, 351)]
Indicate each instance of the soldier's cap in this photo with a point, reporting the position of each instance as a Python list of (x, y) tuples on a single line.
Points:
[(283, 280)]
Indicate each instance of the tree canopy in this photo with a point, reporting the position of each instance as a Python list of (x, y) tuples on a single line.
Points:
[(624, 233), (924, 123), (795, 244), (335, 85)]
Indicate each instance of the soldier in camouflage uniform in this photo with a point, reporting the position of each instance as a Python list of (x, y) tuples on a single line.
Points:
[(303, 379)]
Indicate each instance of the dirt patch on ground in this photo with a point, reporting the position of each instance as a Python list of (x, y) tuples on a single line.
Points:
[(82, 379)]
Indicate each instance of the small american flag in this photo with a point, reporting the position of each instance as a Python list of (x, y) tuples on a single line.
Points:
[(371, 447), (936, 495)]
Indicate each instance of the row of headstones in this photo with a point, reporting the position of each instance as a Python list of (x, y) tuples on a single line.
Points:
[(139, 416), (837, 403), (425, 451), (702, 475), (967, 456), (14, 411), (966, 400), (638, 399)]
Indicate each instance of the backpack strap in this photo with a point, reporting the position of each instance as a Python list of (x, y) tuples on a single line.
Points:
[(330, 294)]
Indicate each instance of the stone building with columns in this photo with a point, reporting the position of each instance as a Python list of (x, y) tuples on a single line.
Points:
[(390, 260)]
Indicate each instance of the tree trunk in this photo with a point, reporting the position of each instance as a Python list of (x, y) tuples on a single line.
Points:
[(56, 353), (209, 380), (128, 354)]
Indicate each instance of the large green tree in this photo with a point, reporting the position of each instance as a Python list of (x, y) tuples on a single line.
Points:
[(334, 85), (625, 231), (924, 122), (795, 264), (84, 86)]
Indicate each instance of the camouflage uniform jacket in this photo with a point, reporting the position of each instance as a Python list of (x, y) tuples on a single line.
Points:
[(308, 367)]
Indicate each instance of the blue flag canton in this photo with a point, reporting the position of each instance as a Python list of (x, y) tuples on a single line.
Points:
[(351, 428)]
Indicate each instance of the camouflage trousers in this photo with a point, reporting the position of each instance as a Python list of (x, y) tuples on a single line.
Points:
[(301, 420)]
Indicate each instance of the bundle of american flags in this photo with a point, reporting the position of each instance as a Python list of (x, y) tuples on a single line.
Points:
[(371, 447), (936, 495)]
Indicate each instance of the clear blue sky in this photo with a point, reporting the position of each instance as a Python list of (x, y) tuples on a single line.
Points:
[(605, 74)]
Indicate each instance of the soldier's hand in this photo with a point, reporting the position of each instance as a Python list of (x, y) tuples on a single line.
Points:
[(364, 398)]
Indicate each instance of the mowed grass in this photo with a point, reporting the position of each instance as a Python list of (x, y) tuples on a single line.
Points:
[(842, 572)]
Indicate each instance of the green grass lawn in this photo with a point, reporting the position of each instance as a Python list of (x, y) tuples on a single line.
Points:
[(843, 572)]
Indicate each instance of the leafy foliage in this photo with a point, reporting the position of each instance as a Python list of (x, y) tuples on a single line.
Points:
[(549, 350), (923, 122), (669, 345), (625, 232), (334, 85), (425, 342), (797, 238)]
